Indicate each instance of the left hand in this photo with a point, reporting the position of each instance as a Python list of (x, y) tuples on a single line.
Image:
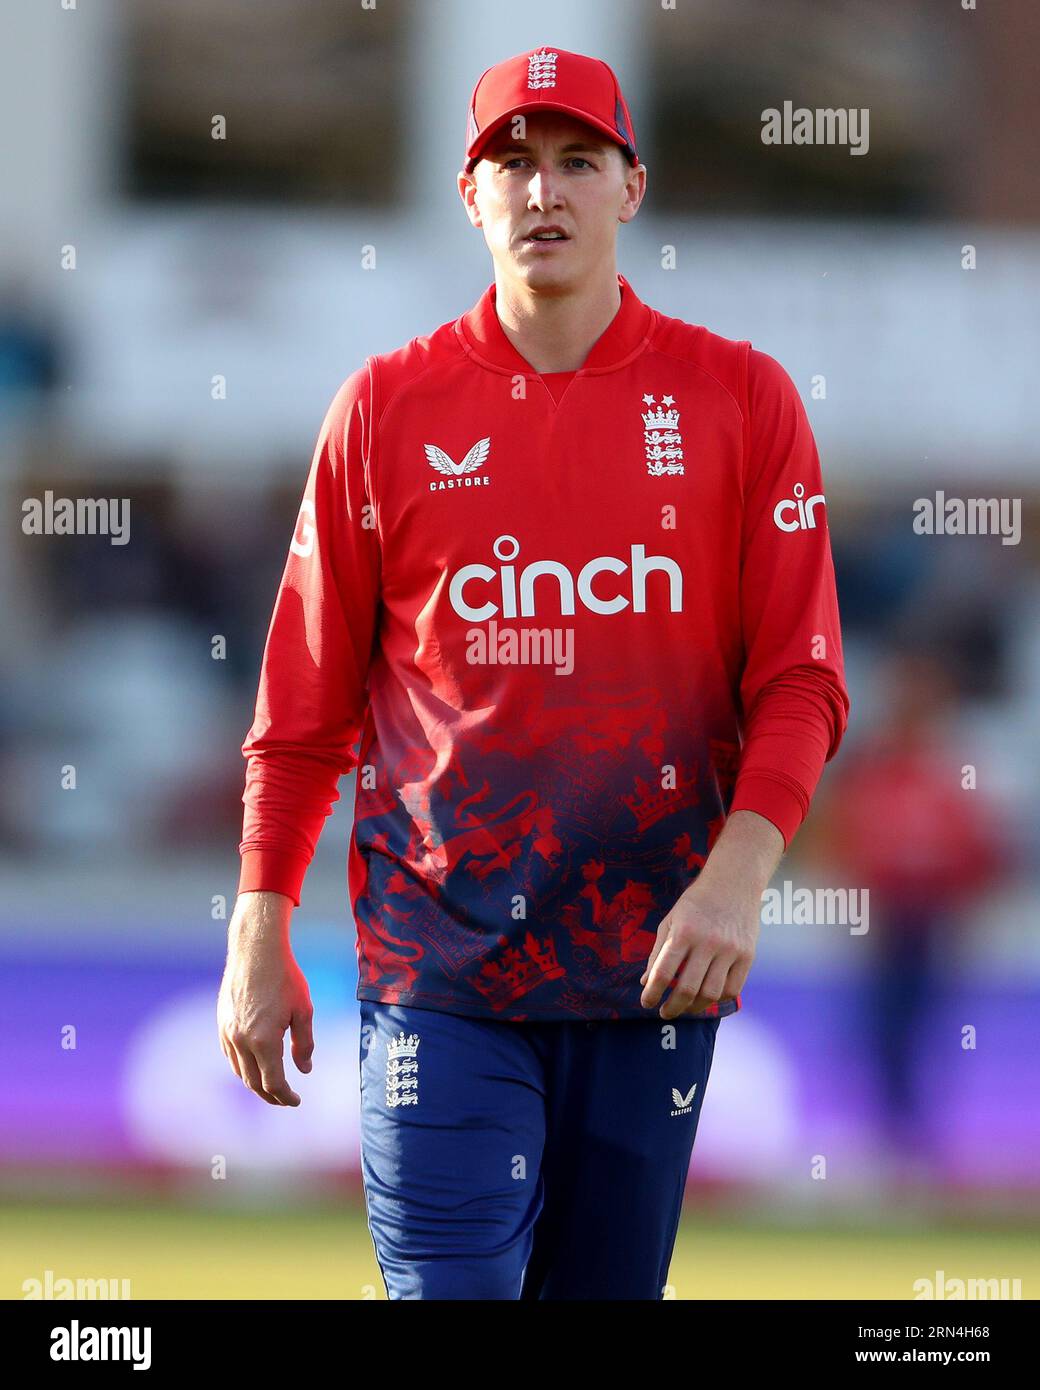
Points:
[(706, 945)]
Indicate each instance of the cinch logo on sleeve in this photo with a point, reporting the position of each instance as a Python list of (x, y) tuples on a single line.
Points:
[(503, 582), (803, 520)]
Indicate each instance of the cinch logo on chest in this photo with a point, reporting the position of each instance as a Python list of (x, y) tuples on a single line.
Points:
[(504, 582)]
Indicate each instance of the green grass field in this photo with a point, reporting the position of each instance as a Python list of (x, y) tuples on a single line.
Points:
[(170, 1251)]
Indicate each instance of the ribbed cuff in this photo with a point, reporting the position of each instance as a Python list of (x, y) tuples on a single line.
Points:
[(775, 800), (273, 871)]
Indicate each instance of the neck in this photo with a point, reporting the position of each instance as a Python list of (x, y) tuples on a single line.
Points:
[(555, 331)]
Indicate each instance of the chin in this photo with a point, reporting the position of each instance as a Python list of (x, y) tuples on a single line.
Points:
[(548, 279)]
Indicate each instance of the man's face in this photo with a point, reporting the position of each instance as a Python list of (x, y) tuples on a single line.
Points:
[(563, 173)]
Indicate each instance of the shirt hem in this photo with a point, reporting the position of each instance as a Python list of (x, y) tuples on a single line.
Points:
[(416, 1000)]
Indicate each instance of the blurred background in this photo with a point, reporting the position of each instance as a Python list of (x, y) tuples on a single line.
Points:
[(176, 313)]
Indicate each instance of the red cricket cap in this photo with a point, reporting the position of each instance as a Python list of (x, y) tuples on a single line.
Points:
[(548, 79)]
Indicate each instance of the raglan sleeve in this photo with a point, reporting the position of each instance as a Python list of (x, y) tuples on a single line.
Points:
[(312, 695), (794, 700)]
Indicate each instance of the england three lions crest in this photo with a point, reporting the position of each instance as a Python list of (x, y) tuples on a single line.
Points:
[(402, 1070), (664, 451)]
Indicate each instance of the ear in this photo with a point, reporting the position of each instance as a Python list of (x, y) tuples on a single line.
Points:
[(635, 189), (467, 185)]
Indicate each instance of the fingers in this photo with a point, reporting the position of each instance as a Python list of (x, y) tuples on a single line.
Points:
[(701, 984), (702, 956), (302, 1033), (687, 985), (251, 1074), (661, 938), (663, 971), (268, 1056), (736, 979), (273, 1075), (259, 1065), (231, 1055)]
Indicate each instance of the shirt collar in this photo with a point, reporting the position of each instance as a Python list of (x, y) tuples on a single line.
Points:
[(481, 334)]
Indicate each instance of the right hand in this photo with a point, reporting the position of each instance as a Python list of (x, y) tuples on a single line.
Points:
[(263, 992)]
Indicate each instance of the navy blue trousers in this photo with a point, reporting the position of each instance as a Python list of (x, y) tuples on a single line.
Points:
[(527, 1160)]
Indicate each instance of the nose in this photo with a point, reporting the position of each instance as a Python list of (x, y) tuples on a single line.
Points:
[(543, 190)]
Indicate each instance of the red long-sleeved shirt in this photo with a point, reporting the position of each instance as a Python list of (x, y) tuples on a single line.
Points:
[(562, 627)]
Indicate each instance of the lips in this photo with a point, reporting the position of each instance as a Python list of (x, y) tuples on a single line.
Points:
[(542, 237)]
